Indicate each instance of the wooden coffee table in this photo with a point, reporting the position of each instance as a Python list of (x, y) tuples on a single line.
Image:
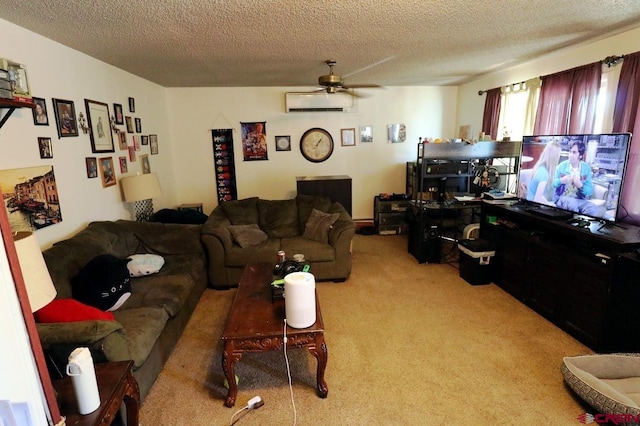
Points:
[(256, 324)]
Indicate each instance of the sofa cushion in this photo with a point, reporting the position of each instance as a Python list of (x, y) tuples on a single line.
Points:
[(306, 203), (103, 283), (278, 218), (313, 251), (318, 226), (247, 235), (168, 291), (267, 252), (241, 212), (143, 326), (70, 310), (144, 264)]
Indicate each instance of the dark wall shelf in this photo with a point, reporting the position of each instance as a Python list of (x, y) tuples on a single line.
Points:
[(10, 105)]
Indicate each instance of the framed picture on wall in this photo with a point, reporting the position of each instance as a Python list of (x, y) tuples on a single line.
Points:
[(348, 137), (138, 125), (153, 144), (366, 134), (44, 145), (92, 167), (40, 117), (145, 166), (117, 110), (65, 112), (107, 171), (100, 134)]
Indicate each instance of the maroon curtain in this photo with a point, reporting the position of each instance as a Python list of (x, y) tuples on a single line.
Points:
[(628, 94), (491, 113), (568, 101), (625, 119)]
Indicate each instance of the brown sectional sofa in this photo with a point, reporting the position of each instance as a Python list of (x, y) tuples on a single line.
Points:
[(148, 325), (284, 223)]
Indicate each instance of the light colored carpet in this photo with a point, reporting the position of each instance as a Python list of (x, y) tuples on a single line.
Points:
[(408, 344)]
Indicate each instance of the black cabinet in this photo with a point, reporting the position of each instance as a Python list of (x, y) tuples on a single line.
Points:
[(390, 215), (338, 188), (582, 280)]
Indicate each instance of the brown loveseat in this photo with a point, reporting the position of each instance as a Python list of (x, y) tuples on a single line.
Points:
[(285, 224), (148, 325)]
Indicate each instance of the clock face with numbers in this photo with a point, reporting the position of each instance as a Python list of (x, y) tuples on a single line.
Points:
[(316, 145)]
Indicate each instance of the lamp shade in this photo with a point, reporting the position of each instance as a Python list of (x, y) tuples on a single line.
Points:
[(36, 276), (140, 187)]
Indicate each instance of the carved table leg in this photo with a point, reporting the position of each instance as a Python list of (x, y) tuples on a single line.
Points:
[(319, 350), (132, 400), (229, 358)]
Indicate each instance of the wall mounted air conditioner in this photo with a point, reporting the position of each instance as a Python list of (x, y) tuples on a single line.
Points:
[(319, 102)]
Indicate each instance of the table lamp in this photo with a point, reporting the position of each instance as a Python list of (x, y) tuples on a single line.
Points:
[(140, 189), (37, 280)]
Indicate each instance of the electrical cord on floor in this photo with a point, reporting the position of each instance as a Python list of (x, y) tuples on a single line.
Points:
[(253, 404), (286, 358)]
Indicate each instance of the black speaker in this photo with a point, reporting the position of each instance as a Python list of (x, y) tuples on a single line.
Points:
[(431, 244)]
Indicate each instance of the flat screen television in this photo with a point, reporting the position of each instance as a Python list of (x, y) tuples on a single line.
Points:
[(564, 175)]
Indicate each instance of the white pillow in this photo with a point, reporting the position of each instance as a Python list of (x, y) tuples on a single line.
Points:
[(144, 264)]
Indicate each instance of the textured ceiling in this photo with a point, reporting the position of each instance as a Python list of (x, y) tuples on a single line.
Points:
[(231, 43)]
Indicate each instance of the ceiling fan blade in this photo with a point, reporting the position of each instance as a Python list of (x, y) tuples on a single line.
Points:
[(352, 92), (362, 86)]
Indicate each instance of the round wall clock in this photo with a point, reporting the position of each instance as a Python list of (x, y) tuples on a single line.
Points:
[(316, 145)]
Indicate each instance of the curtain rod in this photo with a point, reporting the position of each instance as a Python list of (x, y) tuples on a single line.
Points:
[(609, 61)]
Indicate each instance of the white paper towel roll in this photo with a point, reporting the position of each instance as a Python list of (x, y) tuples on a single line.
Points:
[(300, 299)]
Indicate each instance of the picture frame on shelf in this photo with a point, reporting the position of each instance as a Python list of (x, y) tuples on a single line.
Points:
[(348, 137), (45, 147), (153, 144), (145, 166), (138, 122), (118, 114), (366, 134), (92, 167), (20, 89), (99, 125), (40, 116), (65, 113), (107, 172)]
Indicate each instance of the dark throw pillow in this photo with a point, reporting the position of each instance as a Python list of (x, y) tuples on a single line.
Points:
[(247, 235), (104, 283), (318, 225)]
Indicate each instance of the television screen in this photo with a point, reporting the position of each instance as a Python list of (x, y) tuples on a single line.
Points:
[(580, 174)]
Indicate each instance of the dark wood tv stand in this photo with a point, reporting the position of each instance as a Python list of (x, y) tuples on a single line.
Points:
[(584, 280)]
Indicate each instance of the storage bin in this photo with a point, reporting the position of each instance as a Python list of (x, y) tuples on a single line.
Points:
[(476, 261)]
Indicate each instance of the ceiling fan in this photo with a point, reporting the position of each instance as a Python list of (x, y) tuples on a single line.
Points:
[(334, 83)]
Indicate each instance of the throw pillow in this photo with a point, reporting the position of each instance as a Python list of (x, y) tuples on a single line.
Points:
[(103, 283), (70, 310), (144, 264), (241, 212), (247, 235), (318, 225)]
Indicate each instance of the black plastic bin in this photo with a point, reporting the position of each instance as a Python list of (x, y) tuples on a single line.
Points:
[(476, 261)]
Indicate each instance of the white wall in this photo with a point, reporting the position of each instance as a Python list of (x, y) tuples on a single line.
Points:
[(55, 71), (374, 167)]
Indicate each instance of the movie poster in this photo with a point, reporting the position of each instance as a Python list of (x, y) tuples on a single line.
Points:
[(224, 164), (30, 197), (254, 141)]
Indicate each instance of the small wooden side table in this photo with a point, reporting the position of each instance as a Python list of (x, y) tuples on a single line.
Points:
[(115, 385)]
